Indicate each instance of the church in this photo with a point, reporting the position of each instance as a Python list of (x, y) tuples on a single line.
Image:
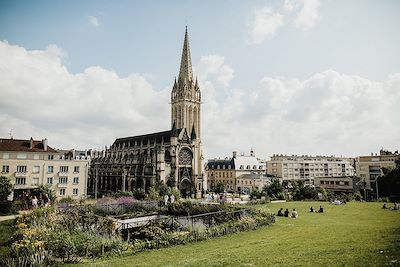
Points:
[(173, 157)]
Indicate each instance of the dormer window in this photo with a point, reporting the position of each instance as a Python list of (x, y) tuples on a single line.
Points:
[(241, 167)]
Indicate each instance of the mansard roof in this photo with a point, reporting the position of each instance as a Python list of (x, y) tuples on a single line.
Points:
[(214, 163), (159, 137), (24, 145)]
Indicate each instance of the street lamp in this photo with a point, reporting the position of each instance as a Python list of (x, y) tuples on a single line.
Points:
[(377, 189)]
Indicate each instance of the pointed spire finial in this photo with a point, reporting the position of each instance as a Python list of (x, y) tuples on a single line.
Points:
[(186, 71)]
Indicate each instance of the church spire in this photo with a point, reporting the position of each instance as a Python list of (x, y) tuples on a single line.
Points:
[(186, 62)]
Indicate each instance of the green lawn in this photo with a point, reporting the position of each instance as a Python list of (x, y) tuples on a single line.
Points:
[(6, 232), (356, 234)]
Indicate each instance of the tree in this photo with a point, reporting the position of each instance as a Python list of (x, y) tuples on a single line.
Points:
[(220, 188), (46, 189), (275, 189), (389, 183), (5, 188)]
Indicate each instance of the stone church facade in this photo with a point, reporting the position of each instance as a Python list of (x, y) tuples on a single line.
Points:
[(173, 157)]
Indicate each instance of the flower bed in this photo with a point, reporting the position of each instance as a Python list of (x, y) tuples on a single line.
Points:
[(67, 234)]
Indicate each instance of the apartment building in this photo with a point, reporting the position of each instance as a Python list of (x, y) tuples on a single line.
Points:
[(309, 167), (369, 168), (30, 163), (226, 171)]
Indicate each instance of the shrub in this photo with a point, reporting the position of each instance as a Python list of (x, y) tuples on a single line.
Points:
[(67, 200), (5, 188), (5, 207), (120, 193)]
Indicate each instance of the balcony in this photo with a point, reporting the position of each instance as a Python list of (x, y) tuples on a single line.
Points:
[(59, 185), (20, 174), (21, 186)]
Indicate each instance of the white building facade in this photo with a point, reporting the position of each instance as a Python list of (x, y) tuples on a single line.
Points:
[(309, 167), (31, 163)]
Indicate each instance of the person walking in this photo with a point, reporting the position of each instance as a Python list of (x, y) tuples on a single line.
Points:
[(34, 202), (172, 199), (166, 198)]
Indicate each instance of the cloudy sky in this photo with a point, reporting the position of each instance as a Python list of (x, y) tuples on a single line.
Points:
[(290, 77)]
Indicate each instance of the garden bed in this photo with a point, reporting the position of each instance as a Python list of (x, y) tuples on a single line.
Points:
[(71, 233)]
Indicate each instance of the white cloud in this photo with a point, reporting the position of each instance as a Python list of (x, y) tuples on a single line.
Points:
[(328, 113), (264, 24), (213, 67), (41, 98), (94, 21), (308, 14)]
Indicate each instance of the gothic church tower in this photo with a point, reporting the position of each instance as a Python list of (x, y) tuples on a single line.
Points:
[(186, 96)]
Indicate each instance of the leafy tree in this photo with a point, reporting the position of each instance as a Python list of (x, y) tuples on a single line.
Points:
[(46, 189), (219, 188), (389, 183), (5, 188), (275, 189)]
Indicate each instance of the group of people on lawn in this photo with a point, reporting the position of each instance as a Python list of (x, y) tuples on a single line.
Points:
[(395, 206), (294, 213)]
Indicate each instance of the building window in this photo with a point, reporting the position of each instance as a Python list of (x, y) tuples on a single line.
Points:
[(50, 157), (20, 180), (75, 191), (76, 169), (63, 168), (322, 182), (49, 180), (36, 169), (50, 169), (5, 169), (62, 192), (76, 180), (63, 180), (21, 168), (21, 156), (35, 181), (6, 156)]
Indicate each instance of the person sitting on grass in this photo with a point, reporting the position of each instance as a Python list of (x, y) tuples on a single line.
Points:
[(311, 209), (384, 206), (286, 213), (280, 212), (294, 214), (395, 206), (321, 209)]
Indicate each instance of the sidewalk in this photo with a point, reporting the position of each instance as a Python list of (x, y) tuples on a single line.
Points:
[(12, 217)]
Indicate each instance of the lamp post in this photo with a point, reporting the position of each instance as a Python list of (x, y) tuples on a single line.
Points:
[(377, 189), (96, 180)]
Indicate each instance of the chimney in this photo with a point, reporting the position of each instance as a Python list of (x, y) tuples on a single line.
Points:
[(31, 143), (44, 141), (234, 154), (252, 152)]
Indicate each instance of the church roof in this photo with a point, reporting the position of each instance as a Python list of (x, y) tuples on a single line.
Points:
[(158, 137)]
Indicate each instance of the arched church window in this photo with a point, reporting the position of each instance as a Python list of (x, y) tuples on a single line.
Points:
[(185, 156)]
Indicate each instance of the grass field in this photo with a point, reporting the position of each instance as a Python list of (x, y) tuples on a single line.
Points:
[(356, 234)]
